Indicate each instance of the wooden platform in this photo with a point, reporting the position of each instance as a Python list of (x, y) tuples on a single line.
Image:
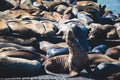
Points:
[(82, 76)]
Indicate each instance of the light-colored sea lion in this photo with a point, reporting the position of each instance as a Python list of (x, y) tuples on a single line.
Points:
[(18, 67), (6, 15), (7, 49), (3, 27), (117, 25)]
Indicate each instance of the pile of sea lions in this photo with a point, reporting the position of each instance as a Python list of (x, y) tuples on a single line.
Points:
[(58, 36)]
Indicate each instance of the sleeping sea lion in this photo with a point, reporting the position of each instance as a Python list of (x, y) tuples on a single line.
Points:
[(97, 58), (113, 52), (18, 67)]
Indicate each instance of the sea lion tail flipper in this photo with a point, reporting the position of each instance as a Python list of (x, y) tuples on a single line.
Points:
[(49, 72)]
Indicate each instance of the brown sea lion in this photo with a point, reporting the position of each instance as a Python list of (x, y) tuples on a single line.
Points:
[(113, 52), (17, 46), (76, 61), (115, 76), (97, 58), (41, 28), (21, 41), (117, 25), (3, 27), (57, 64), (30, 28), (98, 33), (23, 54), (18, 67)]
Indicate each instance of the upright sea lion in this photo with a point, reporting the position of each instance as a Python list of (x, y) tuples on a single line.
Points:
[(76, 61)]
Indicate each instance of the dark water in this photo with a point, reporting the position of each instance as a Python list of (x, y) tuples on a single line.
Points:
[(113, 5)]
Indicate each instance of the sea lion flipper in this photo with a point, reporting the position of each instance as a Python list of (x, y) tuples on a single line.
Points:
[(74, 71)]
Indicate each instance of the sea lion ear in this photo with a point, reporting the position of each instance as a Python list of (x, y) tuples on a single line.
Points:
[(104, 7)]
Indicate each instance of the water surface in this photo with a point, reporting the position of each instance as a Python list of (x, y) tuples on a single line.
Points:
[(113, 5)]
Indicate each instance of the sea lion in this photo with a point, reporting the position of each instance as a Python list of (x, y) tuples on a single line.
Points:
[(114, 76), (100, 49), (23, 54), (99, 18), (78, 59), (80, 29), (4, 5), (32, 28), (52, 49), (56, 51), (57, 64), (3, 27), (98, 33), (97, 58), (113, 52), (71, 63), (104, 69), (117, 28), (27, 48), (21, 41), (18, 67)]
